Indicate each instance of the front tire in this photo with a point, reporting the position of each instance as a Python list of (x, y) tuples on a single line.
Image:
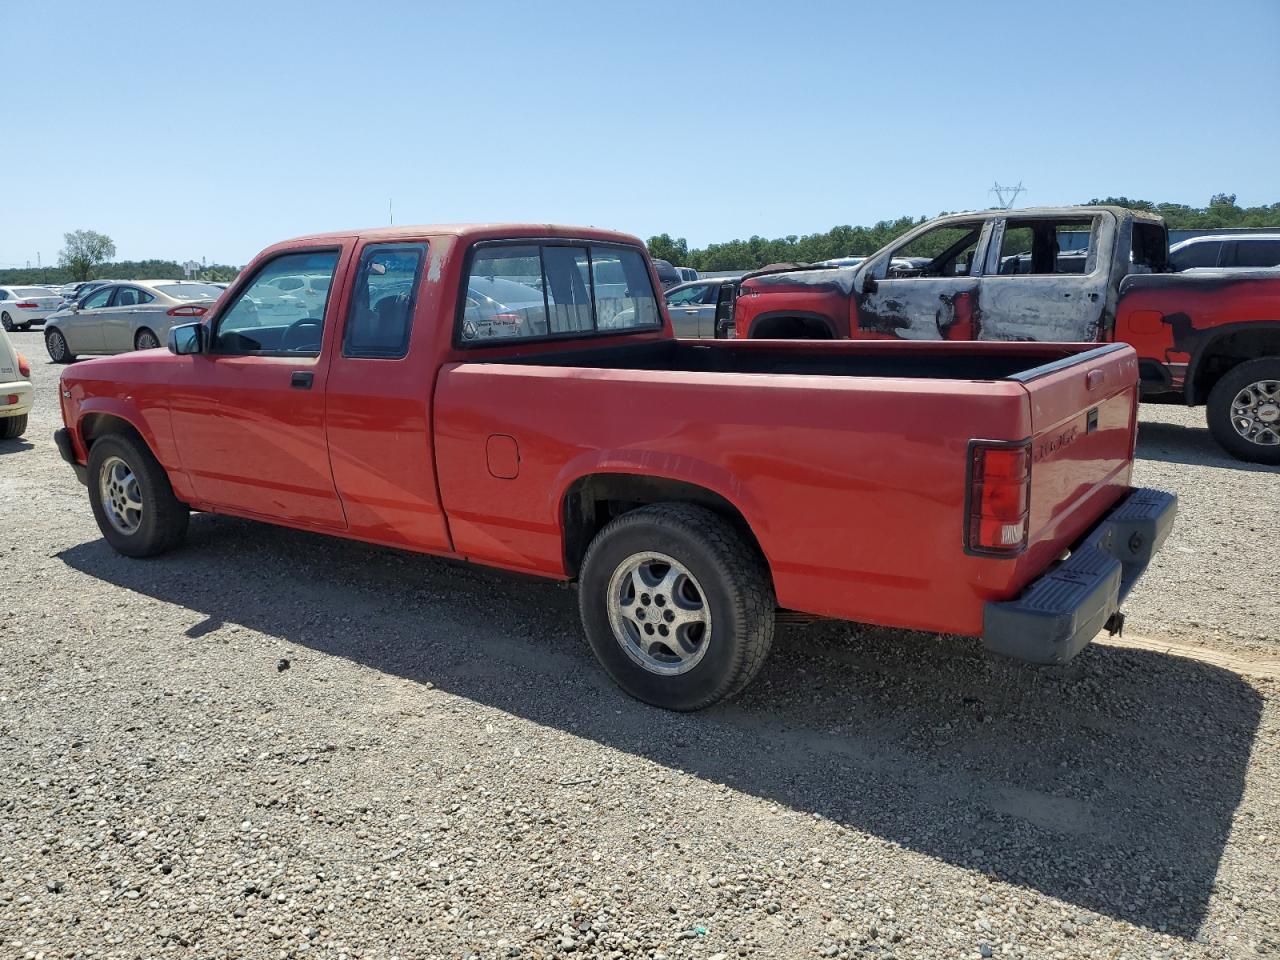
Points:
[(132, 499), (13, 427), (678, 607), (56, 344), (1244, 411)]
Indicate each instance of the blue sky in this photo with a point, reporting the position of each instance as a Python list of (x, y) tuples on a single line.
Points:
[(213, 129)]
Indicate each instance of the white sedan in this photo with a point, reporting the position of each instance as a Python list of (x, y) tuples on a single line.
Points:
[(20, 307)]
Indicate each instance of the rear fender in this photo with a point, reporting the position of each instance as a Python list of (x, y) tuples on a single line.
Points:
[(680, 469)]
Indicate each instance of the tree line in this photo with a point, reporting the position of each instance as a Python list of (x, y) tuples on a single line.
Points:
[(846, 241), (86, 255)]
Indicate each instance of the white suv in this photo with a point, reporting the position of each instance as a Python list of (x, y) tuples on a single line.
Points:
[(15, 390)]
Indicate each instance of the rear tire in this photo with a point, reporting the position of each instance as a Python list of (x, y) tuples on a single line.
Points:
[(145, 340), (6, 321), (683, 571), (13, 427), (131, 498), (56, 344), (1244, 411)]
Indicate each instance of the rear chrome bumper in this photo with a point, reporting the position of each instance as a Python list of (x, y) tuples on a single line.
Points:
[(1059, 614)]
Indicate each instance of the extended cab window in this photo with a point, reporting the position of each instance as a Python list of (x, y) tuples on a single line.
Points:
[(282, 309), (382, 301), (530, 291)]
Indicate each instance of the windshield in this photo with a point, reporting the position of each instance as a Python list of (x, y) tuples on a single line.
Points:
[(189, 291)]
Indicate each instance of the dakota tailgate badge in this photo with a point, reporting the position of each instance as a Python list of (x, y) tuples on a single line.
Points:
[(1048, 448)]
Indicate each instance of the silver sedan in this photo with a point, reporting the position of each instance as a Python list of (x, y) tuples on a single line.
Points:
[(126, 315)]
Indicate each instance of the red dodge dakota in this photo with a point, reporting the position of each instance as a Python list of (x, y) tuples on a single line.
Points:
[(512, 395)]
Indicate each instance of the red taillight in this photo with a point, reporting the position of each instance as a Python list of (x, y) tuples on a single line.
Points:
[(10, 399), (999, 498), (187, 311), (24, 366), (27, 306)]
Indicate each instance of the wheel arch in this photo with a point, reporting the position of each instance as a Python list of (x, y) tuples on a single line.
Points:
[(813, 322), (1229, 346), (594, 498)]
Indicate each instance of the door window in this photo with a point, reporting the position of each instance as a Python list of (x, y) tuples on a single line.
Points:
[(96, 299), (1257, 253), (382, 301), (940, 252), (130, 297), (688, 297), (271, 315), (1204, 254), (1045, 247)]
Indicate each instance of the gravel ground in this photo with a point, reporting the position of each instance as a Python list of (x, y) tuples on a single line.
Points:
[(251, 748)]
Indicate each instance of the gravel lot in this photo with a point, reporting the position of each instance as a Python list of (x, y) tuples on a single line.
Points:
[(270, 744)]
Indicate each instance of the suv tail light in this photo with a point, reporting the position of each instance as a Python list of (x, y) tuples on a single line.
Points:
[(187, 311), (998, 497), (24, 366)]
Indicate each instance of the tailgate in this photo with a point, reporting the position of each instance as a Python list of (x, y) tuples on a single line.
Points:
[(1084, 418)]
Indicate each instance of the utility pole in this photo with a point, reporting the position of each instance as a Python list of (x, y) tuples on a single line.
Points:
[(391, 214), (1011, 192)]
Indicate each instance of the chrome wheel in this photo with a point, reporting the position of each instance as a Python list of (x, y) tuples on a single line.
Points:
[(121, 496), (146, 341), (1255, 412), (57, 346), (659, 613)]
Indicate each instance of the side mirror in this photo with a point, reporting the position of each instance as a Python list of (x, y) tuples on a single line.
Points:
[(186, 339)]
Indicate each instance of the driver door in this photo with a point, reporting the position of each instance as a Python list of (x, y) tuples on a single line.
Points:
[(927, 289), (249, 413)]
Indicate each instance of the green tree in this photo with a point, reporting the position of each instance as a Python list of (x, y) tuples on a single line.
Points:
[(85, 250), (662, 247)]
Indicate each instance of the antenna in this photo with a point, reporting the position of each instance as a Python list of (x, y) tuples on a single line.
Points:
[(1011, 192)]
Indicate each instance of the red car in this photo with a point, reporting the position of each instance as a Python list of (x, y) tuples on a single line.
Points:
[(1097, 274), (513, 396)]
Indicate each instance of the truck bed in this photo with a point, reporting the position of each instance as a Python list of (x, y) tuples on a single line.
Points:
[(935, 360), (847, 460)]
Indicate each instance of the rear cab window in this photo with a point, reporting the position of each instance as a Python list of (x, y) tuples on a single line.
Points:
[(383, 297), (549, 290)]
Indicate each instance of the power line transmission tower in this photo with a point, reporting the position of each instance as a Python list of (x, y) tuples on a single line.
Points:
[(1011, 192)]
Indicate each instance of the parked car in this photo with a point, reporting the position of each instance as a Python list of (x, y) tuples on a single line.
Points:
[(691, 489), (687, 274), (692, 306), (668, 275), (81, 290), (15, 390), (119, 317), (1203, 338), (1226, 250), (20, 307)]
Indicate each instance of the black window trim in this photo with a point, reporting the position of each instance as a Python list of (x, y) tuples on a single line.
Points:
[(460, 343), (422, 247), (216, 322)]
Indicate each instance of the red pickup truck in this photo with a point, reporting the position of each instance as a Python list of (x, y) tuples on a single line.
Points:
[(513, 396), (1099, 274)]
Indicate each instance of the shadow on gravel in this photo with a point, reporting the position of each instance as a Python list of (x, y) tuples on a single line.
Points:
[(1178, 443), (15, 446), (1109, 784)]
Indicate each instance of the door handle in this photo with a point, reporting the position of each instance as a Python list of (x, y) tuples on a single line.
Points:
[(301, 379)]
